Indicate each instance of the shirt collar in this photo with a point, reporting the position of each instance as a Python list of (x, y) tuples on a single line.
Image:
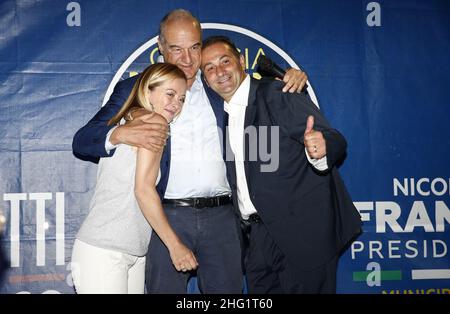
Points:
[(198, 84), (240, 97)]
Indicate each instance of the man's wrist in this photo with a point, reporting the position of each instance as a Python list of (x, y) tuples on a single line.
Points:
[(320, 164), (109, 146), (114, 138)]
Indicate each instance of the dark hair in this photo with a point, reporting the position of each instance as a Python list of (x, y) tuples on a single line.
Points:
[(224, 40)]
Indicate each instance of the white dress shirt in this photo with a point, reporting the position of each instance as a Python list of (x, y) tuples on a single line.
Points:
[(236, 108), (197, 168)]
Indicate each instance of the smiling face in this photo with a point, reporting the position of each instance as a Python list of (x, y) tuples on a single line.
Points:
[(223, 70), (181, 45), (167, 99)]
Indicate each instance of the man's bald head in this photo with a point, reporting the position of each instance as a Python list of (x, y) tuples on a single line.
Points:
[(178, 15)]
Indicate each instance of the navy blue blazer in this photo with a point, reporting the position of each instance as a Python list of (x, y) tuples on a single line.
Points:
[(309, 214), (89, 142)]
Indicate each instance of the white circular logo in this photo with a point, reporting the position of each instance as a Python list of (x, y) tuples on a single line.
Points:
[(207, 26)]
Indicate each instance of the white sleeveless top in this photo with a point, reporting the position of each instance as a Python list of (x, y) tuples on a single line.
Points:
[(115, 221)]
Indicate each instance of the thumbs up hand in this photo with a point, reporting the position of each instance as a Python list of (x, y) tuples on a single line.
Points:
[(309, 124), (314, 140)]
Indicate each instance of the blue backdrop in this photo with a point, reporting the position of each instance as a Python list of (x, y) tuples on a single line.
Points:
[(378, 69)]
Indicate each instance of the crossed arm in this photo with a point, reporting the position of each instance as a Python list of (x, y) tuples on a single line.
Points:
[(92, 139)]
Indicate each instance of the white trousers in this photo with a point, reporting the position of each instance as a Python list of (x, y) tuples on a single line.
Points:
[(97, 270)]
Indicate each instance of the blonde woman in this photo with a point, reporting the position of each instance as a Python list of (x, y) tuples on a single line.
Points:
[(109, 251)]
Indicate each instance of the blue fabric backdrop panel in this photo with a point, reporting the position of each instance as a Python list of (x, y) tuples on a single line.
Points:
[(377, 69)]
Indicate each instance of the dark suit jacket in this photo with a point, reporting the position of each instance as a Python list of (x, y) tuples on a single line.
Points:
[(309, 214), (89, 142)]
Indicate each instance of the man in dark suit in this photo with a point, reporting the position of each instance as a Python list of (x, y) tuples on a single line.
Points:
[(195, 193), (297, 212)]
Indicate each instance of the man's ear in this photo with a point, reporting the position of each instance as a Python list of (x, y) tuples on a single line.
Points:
[(204, 78), (242, 62), (160, 47)]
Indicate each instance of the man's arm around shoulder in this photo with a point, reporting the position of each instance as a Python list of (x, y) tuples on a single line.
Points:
[(89, 141)]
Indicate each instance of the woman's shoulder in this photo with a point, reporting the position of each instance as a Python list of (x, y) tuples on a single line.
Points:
[(155, 118)]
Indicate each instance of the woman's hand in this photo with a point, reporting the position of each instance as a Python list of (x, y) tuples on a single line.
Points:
[(183, 258)]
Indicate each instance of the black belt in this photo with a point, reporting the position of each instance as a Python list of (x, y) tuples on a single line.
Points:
[(199, 202), (254, 218)]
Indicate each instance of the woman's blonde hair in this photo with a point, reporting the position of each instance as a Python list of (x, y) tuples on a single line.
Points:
[(153, 76)]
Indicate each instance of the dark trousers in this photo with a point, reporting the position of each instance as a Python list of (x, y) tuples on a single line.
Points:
[(213, 235), (269, 272)]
